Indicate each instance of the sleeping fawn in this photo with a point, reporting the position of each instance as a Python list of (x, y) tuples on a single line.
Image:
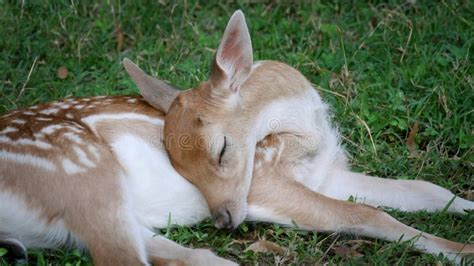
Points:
[(254, 142)]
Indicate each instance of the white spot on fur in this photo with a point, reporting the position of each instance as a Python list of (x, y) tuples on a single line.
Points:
[(69, 116), (33, 107), (79, 106), (44, 119), (8, 130), (75, 129), (49, 111), (27, 159), (19, 121), (82, 156), (95, 152), (65, 106), (94, 119), (51, 129), (132, 100), (37, 143), (38, 135), (73, 137), (29, 113), (71, 168)]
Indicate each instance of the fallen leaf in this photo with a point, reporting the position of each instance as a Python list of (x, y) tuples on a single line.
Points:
[(264, 246), (62, 72), (357, 243), (119, 37), (346, 252), (411, 139)]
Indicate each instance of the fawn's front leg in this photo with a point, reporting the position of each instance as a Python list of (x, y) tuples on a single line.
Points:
[(406, 195), (162, 251), (278, 199)]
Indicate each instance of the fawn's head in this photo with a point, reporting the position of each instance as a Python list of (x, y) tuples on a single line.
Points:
[(207, 134)]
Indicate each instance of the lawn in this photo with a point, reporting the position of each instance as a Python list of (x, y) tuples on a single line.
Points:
[(398, 75)]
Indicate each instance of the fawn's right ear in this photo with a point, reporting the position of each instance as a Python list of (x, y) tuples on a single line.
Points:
[(157, 93)]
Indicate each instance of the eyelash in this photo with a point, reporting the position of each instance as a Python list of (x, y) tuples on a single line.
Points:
[(223, 150)]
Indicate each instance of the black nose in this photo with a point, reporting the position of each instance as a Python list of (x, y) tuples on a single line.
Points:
[(223, 219)]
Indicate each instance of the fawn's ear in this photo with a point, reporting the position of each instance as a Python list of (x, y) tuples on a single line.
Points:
[(157, 93), (233, 60)]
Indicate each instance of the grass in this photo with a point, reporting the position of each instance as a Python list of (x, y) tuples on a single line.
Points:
[(384, 67)]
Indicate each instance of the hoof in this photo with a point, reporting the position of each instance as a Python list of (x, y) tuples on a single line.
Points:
[(16, 252)]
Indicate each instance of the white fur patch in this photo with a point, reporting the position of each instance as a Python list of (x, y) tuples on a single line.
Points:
[(92, 120), (262, 214), (95, 152), (51, 129), (28, 159), (19, 221), (71, 168), (43, 119), (151, 173), (37, 143), (82, 156), (73, 137), (76, 128), (9, 130), (29, 113), (257, 64), (80, 106), (19, 121), (39, 135), (309, 118), (49, 111)]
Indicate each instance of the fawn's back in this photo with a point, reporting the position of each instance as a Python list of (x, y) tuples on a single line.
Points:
[(86, 156)]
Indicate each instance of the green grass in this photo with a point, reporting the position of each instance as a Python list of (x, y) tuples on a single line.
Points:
[(382, 66)]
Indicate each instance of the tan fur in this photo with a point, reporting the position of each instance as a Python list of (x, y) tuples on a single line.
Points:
[(69, 197), (273, 188), (91, 202)]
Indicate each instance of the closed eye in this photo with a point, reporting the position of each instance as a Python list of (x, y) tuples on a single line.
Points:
[(223, 150)]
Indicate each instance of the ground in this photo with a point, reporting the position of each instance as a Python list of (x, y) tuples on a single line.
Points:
[(398, 75)]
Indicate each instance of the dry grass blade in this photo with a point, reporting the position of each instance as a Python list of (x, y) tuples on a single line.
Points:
[(411, 144), (119, 37)]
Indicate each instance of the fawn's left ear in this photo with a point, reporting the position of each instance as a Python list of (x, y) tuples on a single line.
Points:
[(157, 93), (234, 59)]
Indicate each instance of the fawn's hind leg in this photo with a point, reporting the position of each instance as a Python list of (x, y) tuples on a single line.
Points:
[(406, 195), (113, 238), (278, 199)]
